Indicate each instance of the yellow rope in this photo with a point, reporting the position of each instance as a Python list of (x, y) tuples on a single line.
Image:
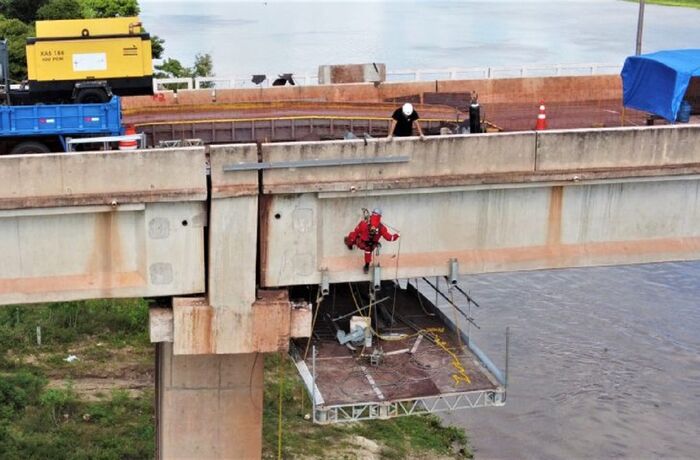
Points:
[(460, 376), (280, 376)]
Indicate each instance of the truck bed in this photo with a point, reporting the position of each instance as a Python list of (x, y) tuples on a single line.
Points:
[(61, 119)]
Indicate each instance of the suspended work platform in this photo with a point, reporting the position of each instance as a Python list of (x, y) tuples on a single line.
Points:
[(411, 361)]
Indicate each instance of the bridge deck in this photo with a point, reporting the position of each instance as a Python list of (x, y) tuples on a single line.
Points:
[(423, 361)]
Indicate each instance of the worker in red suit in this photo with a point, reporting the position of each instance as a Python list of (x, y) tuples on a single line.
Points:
[(367, 234)]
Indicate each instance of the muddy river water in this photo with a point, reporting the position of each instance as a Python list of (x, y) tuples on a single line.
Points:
[(292, 36), (605, 363)]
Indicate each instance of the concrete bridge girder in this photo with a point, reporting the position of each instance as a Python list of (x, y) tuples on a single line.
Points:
[(533, 227), (98, 225), (535, 200)]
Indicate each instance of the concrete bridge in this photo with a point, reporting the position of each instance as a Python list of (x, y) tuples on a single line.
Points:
[(224, 230)]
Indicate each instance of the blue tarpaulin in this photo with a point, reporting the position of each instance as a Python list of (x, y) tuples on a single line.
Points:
[(657, 82)]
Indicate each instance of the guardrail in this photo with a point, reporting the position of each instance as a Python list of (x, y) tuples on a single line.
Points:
[(453, 73), (176, 83)]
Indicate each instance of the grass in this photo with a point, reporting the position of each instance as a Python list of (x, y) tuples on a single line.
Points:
[(116, 323), (36, 422), (42, 421), (681, 3), (46, 413)]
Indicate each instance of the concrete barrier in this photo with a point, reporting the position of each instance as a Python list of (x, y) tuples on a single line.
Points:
[(142, 176), (437, 161), (618, 148)]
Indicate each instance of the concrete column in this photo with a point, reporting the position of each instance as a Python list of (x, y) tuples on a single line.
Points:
[(209, 406)]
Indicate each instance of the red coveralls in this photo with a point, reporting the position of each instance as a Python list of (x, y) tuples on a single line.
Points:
[(367, 235)]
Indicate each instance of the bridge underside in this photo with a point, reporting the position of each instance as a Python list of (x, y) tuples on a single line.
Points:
[(417, 361)]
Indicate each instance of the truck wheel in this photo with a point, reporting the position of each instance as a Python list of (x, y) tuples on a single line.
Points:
[(92, 96), (29, 147)]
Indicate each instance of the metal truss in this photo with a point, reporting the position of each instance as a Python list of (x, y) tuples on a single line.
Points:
[(416, 406)]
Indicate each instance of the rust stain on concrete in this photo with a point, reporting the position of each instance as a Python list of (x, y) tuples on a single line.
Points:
[(106, 255), (193, 326), (271, 321), (264, 206), (196, 324), (82, 282), (554, 219), (561, 256), (347, 74)]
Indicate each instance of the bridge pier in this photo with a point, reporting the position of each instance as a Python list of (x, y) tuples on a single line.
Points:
[(208, 406)]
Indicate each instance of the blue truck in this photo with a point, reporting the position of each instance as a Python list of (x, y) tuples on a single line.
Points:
[(43, 128)]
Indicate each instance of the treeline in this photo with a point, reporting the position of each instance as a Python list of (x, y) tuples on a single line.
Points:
[(17, 18)]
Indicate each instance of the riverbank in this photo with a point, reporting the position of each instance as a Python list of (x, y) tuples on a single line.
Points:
[(100, 403), (681, 3)]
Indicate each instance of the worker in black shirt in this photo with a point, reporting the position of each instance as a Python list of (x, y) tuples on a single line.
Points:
[(402, 122)]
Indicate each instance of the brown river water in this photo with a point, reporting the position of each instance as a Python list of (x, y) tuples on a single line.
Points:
[(604, 363)]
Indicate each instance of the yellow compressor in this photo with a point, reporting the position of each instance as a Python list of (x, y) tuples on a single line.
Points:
[(88, 60)]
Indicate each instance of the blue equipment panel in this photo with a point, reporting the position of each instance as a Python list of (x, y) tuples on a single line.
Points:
[(61, 119)]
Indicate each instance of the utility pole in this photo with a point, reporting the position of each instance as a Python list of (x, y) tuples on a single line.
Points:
[(640, 27)]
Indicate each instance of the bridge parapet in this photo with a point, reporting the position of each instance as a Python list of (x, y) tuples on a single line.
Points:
[(403, 163), (618, 148)]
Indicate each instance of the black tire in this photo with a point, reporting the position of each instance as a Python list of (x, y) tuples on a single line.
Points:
[(92, 96), (29, 147)]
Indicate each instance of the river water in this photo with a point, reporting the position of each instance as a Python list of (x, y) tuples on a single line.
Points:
[(605, 363), (281, 36)]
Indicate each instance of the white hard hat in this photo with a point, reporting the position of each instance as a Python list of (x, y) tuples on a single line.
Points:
[(377, 211), (407, 108)]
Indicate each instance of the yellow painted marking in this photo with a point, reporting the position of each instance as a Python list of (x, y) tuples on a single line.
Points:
[(305, 117)]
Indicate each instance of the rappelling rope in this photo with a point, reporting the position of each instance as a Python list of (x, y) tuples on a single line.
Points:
[(319, 297), (396, 281), (455, 316), (396, 273)]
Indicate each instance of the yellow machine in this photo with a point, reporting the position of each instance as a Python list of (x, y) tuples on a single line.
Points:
[(88, 60)]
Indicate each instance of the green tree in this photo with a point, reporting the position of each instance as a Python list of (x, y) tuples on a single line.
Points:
[(16, 33), (172, 68), (157, 46), (24, 10), (60, 9), (203, 65), (109, 8)]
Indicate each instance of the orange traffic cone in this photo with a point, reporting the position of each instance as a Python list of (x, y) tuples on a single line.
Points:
[(129, 144), (541, 119)]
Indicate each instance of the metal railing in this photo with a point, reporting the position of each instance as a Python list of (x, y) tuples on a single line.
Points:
[(452, 73)]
